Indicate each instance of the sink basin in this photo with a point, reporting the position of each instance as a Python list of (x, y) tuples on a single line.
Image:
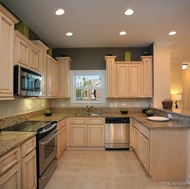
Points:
[(158, 118), (98, 114), (94, 114)]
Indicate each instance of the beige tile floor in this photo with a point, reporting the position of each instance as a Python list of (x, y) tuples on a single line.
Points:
[(102, 170)]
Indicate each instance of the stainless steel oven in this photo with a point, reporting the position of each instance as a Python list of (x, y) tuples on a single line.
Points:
[(47, 157)]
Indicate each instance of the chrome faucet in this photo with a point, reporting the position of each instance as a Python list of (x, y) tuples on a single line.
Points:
[(88, 109)]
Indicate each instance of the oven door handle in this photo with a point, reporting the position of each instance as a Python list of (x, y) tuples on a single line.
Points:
[(42, 143)]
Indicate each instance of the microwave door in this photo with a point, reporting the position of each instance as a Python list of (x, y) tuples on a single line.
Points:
[(37, 86)]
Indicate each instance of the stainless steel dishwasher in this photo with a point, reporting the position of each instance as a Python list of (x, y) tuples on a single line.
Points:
[(117, 133)]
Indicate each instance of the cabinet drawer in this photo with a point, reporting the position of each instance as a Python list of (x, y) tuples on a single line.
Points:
[(144, 130), (61, 124), (135, 123), (96, 120), (9, 159), (28, 146), (78, 120)]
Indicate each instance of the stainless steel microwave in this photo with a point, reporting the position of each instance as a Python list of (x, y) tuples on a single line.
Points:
[(27, 82)]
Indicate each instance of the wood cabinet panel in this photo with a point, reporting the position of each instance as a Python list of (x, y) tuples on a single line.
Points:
[(64, 68), (131, 79), (78, 135), (29, 180), (61, 137), (7, 22), (12, 178), (86, 131), (52, 77), (26, 52)]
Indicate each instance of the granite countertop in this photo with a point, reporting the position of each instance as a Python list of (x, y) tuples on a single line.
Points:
[(10, 140), (142, 118)]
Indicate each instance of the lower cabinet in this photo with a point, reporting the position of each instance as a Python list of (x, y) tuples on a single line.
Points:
[(18, 167), (10, 170), (86, 131), (162, 151), (61, 137)]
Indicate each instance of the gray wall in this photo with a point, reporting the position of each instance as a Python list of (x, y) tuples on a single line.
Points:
[(93, 58)]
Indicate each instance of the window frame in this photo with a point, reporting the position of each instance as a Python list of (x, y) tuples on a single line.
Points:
[(73, 87)]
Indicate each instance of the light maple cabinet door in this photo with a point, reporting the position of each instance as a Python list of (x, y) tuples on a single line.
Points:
[(26, 52), (42, 63), (12, 178), (122, 80), (7, 22), (134, 80), (34, 59), (29, 171), (52, 77), (136, 140), (61, 137), (95, 135), (21, 50), (147, 76), (78, 135), (111, 77), (64, 68)]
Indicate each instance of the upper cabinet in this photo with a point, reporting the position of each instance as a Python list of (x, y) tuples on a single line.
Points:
[(42, 63), (131, 79), (63, 81), (7, 22), (26, 52), (52, 77)]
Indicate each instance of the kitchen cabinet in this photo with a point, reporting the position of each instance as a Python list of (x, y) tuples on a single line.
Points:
[(87, 131), (26, 52), (18, 167), (161, 151), (7, 22), (61, 137), (42, 63), (10, 170), (64, 68), (52, 77), (28, 154), (111, 77), (131, 79)]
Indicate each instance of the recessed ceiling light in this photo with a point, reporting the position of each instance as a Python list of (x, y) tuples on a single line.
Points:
[(122, 33), (69, 34), (172, 33), (59, 12), (129, 12)]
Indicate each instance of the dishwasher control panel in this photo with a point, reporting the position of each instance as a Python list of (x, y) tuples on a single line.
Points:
[(117, 120)]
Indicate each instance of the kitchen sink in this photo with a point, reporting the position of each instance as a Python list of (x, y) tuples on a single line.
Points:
[(94, 114)]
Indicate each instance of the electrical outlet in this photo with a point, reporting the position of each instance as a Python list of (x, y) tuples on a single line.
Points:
[(62, 104), (29, 107), (123, 104), (170, 116), (43, 105)]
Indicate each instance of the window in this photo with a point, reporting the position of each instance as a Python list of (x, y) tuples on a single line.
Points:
[(88, 86)]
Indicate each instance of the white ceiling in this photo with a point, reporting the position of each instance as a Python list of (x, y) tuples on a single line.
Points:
[(96, 23)]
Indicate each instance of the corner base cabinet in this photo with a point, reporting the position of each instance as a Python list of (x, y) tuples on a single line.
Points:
[(162, 151)]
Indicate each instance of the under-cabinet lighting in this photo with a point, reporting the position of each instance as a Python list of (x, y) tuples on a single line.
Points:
[(184, 66)]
